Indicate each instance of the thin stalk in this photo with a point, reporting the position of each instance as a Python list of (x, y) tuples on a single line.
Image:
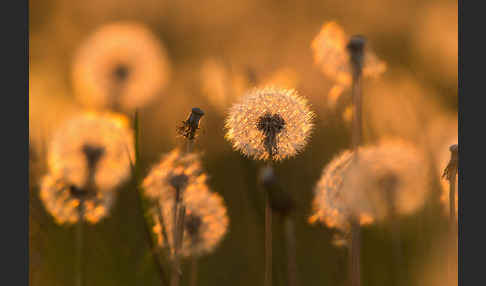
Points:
[(178, 238), (193, 281), (291, 251), (453, 226), (355, 253), (79, 245), (355, 249), (268, 242), (140, 204)]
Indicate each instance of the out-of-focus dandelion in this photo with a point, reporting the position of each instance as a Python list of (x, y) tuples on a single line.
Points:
[(220, 84), (175, 170), (206, 221), (88, 135), (61, 199), (269, 123), (388, 177), (169, 180), (330, 54), (121, 66)]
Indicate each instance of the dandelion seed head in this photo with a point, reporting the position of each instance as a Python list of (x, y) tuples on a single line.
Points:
[(61, 201), (91, 138), (206, 221), (121, 65), (389, 178), (386, 177), (175, 170), (269, 120)]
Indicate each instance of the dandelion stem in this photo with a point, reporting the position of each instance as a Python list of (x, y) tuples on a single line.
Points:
[(291, 251), (450, 173), (136, 176), (268, 241), (355, 253), (79, 244), (356, 51), (193, 281)]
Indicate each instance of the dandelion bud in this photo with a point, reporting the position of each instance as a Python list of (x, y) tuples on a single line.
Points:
[(191, 125), (355, 49), (280, 200)]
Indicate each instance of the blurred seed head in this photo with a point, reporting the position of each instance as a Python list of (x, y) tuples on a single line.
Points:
[(122, 65), (92, 146), (206, 221), (175, 170), (61, 199), (388, 177), (333, 52), (269, 123)]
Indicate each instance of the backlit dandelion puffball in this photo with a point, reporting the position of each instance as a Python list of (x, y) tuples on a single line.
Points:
[(106, 133), (269, 123), (386, 179), (121, 66), (59, 201), (205, 223), (175, 170)]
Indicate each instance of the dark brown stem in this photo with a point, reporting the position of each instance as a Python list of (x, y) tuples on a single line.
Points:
[(79, 245), (291, 251), (268, 242), (355, 253), (177, 223), (193, 281), (453, 228)]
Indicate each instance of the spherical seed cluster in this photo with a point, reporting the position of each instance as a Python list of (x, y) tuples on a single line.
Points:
[(269, 120), (106, 132), (175, 170), (383, 180), (122, 65), (206, 221), (60, 201), (329, 204)]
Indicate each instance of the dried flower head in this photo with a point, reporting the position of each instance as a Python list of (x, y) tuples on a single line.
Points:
[(92, 148), (191, 124), (269, 123), (386, 179), (205, 223), (61, 199), (448, 166), (176, 170), (122, 65), (332, 48)]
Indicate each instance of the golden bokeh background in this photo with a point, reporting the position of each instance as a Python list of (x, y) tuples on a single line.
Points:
[(217, 49)]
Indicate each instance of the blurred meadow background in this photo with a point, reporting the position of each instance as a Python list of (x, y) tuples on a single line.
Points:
[(213, 51)]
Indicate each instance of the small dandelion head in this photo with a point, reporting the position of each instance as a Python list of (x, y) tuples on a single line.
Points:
[(62, 199), (269, 123), (334, 50), (448, 166), (92, 148), (176, 171), (191, 124), (121, 65), (355, 49), (205, 223), (340, 57)]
